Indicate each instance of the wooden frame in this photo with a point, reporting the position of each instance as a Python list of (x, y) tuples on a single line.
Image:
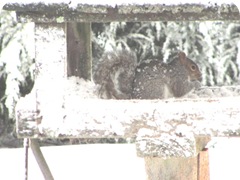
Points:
[(67, 28)]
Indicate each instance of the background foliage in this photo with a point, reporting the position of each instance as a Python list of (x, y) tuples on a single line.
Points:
[(16, 73), (213, 45)]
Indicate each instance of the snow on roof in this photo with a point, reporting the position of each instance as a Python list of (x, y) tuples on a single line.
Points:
[(74, 3), (133, 10)]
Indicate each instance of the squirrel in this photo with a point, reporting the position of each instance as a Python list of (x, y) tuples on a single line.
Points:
[(120, 76), (115, 73)]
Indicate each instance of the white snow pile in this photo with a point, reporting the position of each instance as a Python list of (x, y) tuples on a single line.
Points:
[(81, 88)]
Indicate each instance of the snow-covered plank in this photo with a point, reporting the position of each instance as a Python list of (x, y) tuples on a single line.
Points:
[(91, 118), (106, 11), (164, 128)]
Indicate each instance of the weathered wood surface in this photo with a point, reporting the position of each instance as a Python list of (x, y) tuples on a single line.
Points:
[(171, 169), (203, 165), (93, 11), (194, 168), (79, 50), (163, 128), (119, 118)]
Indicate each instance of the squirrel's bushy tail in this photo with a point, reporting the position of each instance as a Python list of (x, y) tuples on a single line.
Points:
[(115, 73)]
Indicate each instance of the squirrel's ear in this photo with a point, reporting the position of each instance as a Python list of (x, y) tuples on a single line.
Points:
[(182, 57)]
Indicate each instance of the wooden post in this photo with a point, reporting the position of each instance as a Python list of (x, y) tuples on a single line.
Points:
[(194, 168), (50, 46), (203, 165), (171, 169), (79, 50)]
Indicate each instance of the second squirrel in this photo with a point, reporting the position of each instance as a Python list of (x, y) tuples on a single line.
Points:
[(121, 78)]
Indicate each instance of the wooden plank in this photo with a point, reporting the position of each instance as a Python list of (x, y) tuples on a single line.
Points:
[(87, 11), (50, 47), (194, 168), (170, 124), (79, 50), (124, 118), (168, 169), (203, 165)]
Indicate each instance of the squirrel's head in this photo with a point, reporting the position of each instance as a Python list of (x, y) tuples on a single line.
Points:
[(192, 68)]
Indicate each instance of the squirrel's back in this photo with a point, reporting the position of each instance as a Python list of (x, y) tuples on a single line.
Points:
[(115, 73), (151, 79), (120, 77), (158, 80)]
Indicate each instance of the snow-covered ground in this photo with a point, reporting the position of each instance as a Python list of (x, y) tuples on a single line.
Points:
[(225, 159), (85, 162), (109, 161)]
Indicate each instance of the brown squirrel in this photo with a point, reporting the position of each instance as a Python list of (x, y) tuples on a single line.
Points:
[(120, 77)]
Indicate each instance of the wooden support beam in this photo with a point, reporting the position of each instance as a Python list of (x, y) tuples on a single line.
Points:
[(40, 159), (50, 55), (79, 50), (203, 165)]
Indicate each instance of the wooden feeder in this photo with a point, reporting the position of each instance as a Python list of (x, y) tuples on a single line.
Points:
[(170, 134)]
